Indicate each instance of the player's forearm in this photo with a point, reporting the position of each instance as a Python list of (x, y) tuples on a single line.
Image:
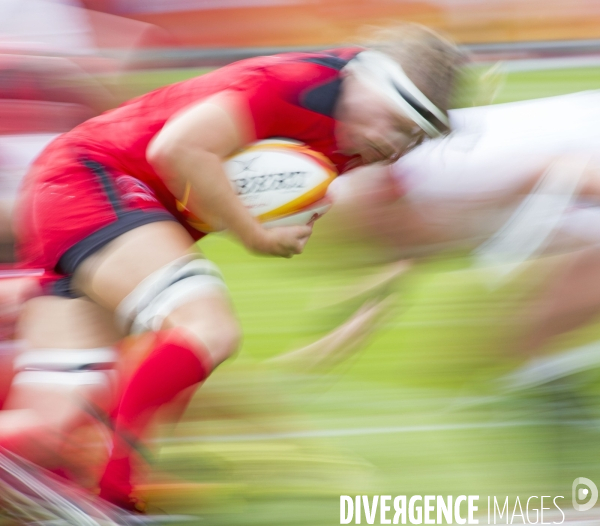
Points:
[(214, 198), (211, 198)]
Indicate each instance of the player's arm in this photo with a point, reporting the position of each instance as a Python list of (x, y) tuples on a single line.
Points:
[(577, 173), (590, 187), (190, 149)]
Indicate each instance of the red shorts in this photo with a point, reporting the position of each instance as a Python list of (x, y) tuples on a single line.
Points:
[(71, 205)]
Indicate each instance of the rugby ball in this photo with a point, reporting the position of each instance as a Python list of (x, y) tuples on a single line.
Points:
[(280, 182)]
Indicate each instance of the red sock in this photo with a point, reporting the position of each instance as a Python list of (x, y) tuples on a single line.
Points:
[(174, 365)]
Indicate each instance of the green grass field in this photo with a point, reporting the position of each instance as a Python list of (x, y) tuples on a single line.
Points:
[(414, 413)]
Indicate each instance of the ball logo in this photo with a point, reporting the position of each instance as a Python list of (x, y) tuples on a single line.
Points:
[(245, 165), (270, 182), (280, 182), (255, 179), (581, 494)]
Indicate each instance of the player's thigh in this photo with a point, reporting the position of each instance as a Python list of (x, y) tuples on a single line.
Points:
[(126, 265), (570, 298), (112, 273), (53, 322)]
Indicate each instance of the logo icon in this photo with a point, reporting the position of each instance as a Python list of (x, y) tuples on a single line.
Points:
[(245, 165), (580, 494)]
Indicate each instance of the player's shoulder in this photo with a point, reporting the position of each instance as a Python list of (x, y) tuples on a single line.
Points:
[(311, 80), (283, 69), (335, 59), (296, 65)]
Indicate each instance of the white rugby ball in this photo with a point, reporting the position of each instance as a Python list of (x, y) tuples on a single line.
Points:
[(280, 182)]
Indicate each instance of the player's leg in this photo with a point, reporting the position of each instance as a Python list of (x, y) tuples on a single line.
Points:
[(66, 363), (571, 299), (125, 252), (16, 287), (153, 282)]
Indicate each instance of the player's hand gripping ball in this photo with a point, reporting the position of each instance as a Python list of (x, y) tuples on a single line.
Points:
[(282, 183)]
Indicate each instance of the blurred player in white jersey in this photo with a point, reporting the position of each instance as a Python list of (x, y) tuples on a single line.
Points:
[(513, 182), (465, 186)]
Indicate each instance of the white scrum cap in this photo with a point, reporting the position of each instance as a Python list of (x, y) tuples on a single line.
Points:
[(384, 75)]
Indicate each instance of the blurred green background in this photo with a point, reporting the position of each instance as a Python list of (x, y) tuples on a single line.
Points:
[(417, 411)]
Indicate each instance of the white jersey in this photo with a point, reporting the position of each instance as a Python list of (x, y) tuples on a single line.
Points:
[(465, 180), (494, 148)]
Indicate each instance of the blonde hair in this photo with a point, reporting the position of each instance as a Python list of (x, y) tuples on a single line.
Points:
[(430, 60)]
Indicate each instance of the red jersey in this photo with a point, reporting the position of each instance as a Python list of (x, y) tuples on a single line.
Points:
[(291, 95), (97, 173)]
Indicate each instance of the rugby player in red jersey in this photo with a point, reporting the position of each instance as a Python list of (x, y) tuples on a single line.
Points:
[(105, 208)]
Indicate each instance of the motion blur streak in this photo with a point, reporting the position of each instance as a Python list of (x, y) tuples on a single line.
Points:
[(389, 359)]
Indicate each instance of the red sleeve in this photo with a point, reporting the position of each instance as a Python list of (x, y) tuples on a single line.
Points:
[(264, 97), (274, 92)]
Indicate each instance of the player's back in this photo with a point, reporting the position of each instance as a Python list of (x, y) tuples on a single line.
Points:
[(494, 149), (469, 183), (124, 133), (273, 87)]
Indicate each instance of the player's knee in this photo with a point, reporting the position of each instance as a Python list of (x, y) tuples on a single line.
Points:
[(219, 344), (225, 341), (211, 323), (188, 293)]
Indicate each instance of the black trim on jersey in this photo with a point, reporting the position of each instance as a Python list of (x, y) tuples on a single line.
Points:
[(329, 61), (126, 220), (74, 256), (101, 172), (323, 98)]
